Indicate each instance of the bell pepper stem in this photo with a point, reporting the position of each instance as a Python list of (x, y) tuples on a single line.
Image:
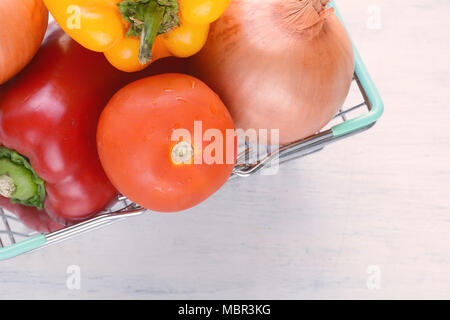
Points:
[(153, 18), (148, 19)]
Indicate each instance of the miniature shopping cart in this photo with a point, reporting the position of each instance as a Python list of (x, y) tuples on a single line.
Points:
[(360, 112)]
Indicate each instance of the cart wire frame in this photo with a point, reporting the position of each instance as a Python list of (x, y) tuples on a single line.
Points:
[(15, 241)]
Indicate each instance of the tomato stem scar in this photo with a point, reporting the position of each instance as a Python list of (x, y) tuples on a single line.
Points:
[(182, 153)]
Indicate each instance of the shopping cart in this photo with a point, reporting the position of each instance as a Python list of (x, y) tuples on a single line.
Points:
[(362, 109)]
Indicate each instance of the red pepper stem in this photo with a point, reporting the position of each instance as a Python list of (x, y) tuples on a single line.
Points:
[(18, 180), (7, 186)]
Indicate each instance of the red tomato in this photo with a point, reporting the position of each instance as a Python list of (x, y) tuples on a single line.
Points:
[(143, 158)]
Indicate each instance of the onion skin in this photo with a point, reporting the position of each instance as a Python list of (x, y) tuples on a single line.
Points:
[(23, 25), (278, 64)]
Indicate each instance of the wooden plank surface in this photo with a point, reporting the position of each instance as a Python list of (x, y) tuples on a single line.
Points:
[(368, 217)]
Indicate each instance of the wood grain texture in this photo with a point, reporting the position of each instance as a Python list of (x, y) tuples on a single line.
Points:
[(312, 230)]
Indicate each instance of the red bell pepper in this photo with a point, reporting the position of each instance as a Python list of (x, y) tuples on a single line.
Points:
[(48, 121), (30, 217)]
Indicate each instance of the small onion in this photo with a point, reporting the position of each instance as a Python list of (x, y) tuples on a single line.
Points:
[(278, 64)]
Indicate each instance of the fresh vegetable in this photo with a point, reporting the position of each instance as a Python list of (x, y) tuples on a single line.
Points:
[(277, 64), (48, 121), (156, 143), (133, 33), (23, 25)]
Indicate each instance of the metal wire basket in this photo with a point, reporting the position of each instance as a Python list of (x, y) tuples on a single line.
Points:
[(362, 109)]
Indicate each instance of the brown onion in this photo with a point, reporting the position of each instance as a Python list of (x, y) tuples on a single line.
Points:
[(278, 64)]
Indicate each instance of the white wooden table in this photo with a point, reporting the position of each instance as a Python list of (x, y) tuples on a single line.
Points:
[(368, 217)]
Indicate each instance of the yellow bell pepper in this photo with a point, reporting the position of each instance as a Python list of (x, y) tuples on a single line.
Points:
[(133, 33)]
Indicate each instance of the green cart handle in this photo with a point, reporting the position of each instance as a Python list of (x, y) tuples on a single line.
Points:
[(22, 247), (42, 239), (373, 96)]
